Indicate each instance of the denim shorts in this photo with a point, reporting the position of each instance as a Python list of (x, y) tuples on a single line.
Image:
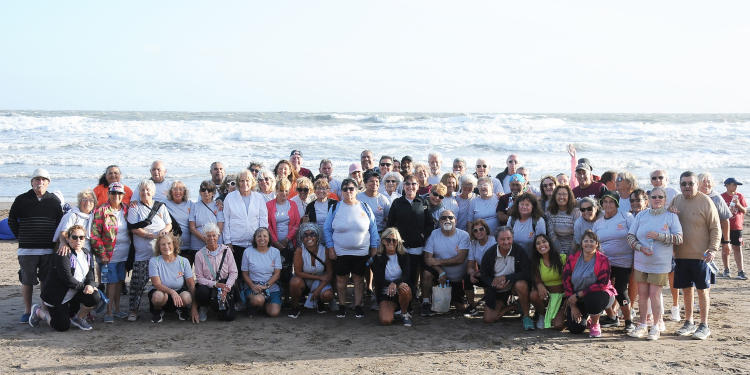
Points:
[(112, 272)]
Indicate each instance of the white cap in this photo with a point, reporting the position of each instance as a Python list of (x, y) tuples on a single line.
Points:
[(40, 172)]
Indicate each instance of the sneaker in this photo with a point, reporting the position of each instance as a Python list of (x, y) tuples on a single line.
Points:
[(629, 326), (82, 324), (33, 318), (203, 313), (358, 313), (470, 311), (702, 332), (639, 332), (120, 314), (741, 275), (294, 314), (108, 319), (725, 273), (687, 329), (157, 317), (427, 309), (540, 323), (320, 308), (595, 331), (675, 314), (662, 327), (132, 317), (654, 333), (528, 324), (24, 318), (180, 314), (342, 312), (407, 320), (605, 321)]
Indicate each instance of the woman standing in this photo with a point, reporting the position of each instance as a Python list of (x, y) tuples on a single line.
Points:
[(625, 183), (317, 210), (179, 207), (204, 211), (244, 212), (284, 170), (392, 182), (303, 197), (266, 185), (261, 269), (525, 217), (391, 275), (485, 205), (283, 222), (561, 216), (463, 201), (423, 173), (547, 191), (80, 215)]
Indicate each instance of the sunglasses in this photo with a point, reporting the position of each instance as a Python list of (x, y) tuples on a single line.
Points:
[(303, 190), (390, 181), (390, 240), (350, 188), (477, 230), (654, 178), (204, 190), (512, 161), (232, 183), (587, 209), (255, 171), (309, 234), (686, 183), (447, 217), (434, 194), (657, 197), (481, 165), (386, 164), (116, 193), (77, 238)]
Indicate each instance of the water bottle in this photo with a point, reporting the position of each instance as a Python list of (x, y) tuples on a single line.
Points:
[(369, 262), (510, 202), (651, 245), (105, 273), (222, 303)]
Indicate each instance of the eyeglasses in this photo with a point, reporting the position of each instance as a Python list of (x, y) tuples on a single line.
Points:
[(434, 194), (619, 179), (481, 165), (687, 183), (587, 209), (255, 171), (77, 238), (309, 234), (116, 193), (386, 164), (87, 200), (303, 190), (390, 240), (265, 179), (232, 183), (477, 230), (205, 190), (654, 178), (390, 181), (350, 188), (447, 217), (657, 197)]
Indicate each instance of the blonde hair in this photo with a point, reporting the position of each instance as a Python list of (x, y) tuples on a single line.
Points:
[(391, 231), (175, 243)]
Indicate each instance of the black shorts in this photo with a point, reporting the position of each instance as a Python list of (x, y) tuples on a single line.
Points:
[(346, 264), (692, 273), (735, 237), (169, 306)]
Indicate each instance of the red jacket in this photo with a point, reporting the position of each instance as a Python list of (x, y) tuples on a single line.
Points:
[(601, 269), (294, 220)]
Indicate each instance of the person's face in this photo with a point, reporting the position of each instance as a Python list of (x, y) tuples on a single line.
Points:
[(706, 186), (178, 193), (689, 186), (77, 239), (482, 168), (731, 187), (422, 174), (548, 185), (261, 239), (504, 241), (609, 206), (321, 193), (390, 243), (244, 185), (296, 159), (434, 164), (459, 168), (115, 199), (146, 194), (326, 169), (589, 245), (283, 170), (386, 165), (638, 202), (588, 211), (166, 248), (349, 193), (310, 239), (410, 188), (542, 245), (563, 180), (479, 232), (451, 184), (265, 184), (657, 199), (218, 173), (391, 183), (512, 163), (254, 169), (303, 192), (212, 240), (357, 176), (524, 208), (562, 198), (86, 204), (485, 190), (396, 165), (658, 179), (523, 172), (158, 171), (366, 160), (466, 189), (282, 193), (515, 187), (39, 185), (623, 187), (207, 194), (406, 166), (583, 176), (447, 221), (435, 198), (113, 175), (372, 185)]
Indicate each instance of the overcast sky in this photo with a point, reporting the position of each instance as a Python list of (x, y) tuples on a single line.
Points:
[(432, 56)]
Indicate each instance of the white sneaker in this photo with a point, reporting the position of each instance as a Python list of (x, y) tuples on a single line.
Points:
[(639, 331), (675, 314), (661, 325), (653, 333), (540, 323)]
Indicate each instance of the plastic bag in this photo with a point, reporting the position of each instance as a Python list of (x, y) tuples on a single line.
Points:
[(441, 298)]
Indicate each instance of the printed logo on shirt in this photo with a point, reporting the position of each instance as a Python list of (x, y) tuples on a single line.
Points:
[(620, 226), (531, 234), (665, 227), (179, 275)]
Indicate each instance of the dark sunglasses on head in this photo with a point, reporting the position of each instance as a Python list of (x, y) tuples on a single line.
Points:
[(657, 197), (589, 209), (447, 217), (303, 190), (481, 165), (435, 194), (309, 234), (265, 178), (77, 238), (477, 230), (686, 183), (390, 240), (386, 164), (654, 178), (350, 188)]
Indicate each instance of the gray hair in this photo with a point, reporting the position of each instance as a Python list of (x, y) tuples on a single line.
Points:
[(593, 202), (210, 228), (395, 175), (83, 193), (504, 228), (148, 184), (706, 176), (468, 178), (436, 155), (304, 227)]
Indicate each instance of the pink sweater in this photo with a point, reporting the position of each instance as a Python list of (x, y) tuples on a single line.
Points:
[(203, 273)]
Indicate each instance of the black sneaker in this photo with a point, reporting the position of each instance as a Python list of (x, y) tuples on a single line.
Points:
[(358, 313), (157, 317), (629, 326), (605, 321), (471, 310), (320, 308), (294, 314), (342, 312), (427, 309)]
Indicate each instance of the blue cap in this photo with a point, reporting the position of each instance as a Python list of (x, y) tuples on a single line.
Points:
[(732, 180), (517, 177)]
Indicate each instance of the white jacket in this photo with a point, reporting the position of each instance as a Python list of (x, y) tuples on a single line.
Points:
[(240, 223)]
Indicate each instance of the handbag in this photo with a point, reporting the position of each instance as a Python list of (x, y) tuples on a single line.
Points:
[(213, 296), (441, 298)]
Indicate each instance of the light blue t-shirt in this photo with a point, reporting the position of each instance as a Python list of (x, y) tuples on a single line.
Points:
[(202, 214), (613, 233), (444, 247), (646, 221), (485, 209), (181, 214), (261, 266), (380, 205), (172, 274), (525, 231)]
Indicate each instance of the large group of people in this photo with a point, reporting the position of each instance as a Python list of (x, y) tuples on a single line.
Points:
[(409, 238)]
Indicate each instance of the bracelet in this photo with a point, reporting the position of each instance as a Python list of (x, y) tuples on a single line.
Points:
[(724, 242), (441, 274)]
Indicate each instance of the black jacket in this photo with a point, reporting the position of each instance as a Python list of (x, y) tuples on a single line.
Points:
[(34, 221), (60, 277), (378, 271), (487, 270), (413, 221), (310, 209), (501, 176)]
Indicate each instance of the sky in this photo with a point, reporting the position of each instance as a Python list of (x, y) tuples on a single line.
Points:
[(384, 56)]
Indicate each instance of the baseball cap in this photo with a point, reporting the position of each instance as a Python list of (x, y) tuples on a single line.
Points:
[(732, 180), (355, 167), (116, 187), (40, 172)]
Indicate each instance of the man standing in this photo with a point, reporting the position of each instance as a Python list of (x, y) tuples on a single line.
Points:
[(701, 233), (33, 218), (326, 169), (435, 160), (366, 161), (738, 207), (295, 157), (445, 261), (587, 187), (512, 162), (517, 186), (158, 176)]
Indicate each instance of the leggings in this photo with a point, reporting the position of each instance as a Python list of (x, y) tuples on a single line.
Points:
[(620, 277), (203, 298), (591, 303), (60, 314), (138, 281)]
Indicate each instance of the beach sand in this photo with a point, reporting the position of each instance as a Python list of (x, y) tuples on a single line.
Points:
[(316, 344)]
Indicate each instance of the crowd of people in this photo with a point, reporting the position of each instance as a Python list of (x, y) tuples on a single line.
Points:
[(410, 238)]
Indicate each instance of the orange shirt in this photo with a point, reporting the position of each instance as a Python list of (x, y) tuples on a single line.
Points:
[(102, 193)]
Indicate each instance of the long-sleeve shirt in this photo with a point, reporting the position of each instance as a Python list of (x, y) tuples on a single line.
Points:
[(700, 226), (228, 270)]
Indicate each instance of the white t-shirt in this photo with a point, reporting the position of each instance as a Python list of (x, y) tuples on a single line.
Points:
[(144, 248), (261, 266), (79, 273), (443, 247), (122, 242), (351, 230), (392, 268)]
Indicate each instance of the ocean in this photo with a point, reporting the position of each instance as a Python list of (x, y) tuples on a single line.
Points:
[(76, 146)]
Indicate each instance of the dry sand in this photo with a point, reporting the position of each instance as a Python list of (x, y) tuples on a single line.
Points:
[(324, 344)]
